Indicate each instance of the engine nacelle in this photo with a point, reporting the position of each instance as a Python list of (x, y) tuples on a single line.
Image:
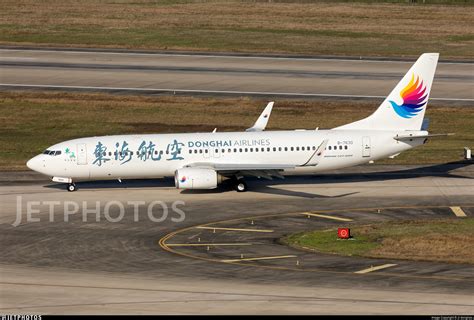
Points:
[(196, 178)]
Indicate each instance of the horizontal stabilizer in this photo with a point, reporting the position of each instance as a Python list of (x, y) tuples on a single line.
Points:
[(424, 136)]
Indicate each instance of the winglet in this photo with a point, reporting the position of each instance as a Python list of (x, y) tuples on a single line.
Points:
[(317, 155), (262, 121)]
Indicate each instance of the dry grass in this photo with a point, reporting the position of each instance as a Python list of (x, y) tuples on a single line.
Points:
[(309, 28), (445, 240), (455, 248), (32, 121)]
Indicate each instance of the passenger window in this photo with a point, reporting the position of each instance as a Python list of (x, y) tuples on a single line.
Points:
[(217, 150), (268, 149), (330, 148), (223, 150), (190, 151), (279, 148), (240, 149), (251, 149), (297, 148), (302, 148), (200, 150), (345, 147), (229, 150), (291, 149), (246, 150), (314, 148), (340, 147), (235, 149)]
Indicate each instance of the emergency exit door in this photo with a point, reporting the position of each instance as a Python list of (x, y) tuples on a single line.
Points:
[(366, 146), (81, 154)]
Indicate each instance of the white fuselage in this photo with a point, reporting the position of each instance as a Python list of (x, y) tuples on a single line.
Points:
[(160, 155)]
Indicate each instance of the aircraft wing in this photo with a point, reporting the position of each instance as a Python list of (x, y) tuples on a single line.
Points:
[(262, 121), (267, 171), (259, 170), (239, 166), (410, 137)]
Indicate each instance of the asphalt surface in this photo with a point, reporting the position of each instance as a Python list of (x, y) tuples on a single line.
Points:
[(186, 73), (136, 265)]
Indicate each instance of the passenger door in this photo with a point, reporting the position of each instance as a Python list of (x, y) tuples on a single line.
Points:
[(366, 147)]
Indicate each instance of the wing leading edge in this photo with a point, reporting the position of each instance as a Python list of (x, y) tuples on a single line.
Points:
[(260, 170)]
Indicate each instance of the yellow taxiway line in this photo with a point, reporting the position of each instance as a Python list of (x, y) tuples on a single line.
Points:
[(234, 229), (206, 244), (375, 268), (458, 212), (324, 216), (259, 258)]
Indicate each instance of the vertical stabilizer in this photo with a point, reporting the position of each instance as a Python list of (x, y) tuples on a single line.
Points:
[(405, 106)]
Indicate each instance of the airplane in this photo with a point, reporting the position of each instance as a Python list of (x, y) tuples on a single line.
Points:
[(203, 160)]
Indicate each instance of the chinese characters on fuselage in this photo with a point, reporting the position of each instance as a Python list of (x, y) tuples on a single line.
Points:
[(148, 151)]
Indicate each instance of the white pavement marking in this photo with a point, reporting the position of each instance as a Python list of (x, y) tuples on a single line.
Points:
[(458, 212), (330, 95), (324, 216), (259, 258), (234, 229), (388, 265)]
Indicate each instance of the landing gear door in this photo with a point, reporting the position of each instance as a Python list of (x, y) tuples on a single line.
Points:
[(81, 154), (366, 147)]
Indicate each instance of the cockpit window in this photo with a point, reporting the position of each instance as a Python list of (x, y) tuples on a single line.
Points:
[(52, 152)]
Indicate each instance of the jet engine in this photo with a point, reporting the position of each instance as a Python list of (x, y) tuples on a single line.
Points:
[(196, 178)]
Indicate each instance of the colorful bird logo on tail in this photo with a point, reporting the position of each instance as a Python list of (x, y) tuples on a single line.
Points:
[(414, 99)]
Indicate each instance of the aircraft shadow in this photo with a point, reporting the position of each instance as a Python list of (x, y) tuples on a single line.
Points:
[(266, 186), (114, 184)]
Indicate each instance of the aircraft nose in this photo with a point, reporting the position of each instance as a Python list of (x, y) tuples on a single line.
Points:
[(34, 163)]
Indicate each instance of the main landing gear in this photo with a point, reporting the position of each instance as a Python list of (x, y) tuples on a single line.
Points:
[(71, 187), (240, 185)]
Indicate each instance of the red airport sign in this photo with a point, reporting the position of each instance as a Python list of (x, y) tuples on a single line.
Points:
[(343, 233)]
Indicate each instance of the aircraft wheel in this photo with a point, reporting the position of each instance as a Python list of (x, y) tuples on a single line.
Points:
[(241, 186), (71, 187)]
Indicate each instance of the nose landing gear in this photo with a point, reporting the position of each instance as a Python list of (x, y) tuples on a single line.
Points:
[(71, 187)]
